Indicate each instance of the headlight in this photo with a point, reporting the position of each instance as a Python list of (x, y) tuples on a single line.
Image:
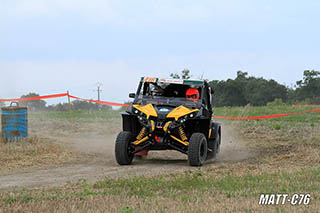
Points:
[(181, 120), (192, 115), (141, 117), (186, 117), (139, 114)]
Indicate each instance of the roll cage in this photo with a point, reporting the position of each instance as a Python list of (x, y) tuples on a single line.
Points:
[(176, 90)]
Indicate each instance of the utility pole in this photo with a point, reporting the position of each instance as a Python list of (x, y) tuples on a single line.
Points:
[(99, 90)]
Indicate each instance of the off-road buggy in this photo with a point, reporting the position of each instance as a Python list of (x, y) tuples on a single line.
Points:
[(161, 118)]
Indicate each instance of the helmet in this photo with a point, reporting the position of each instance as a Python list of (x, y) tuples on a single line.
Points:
[(192, 94)]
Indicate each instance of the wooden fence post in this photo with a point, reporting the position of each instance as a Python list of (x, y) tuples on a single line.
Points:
[(70, 107)]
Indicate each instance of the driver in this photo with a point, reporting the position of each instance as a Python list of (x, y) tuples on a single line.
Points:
[(192, 94)]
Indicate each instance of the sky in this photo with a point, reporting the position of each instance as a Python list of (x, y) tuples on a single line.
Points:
[(51, 46)]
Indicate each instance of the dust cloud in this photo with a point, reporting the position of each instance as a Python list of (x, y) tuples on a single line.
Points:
[(97, 138), (94, 144), (233, 146)]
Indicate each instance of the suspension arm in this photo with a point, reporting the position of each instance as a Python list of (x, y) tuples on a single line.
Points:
[(141, 149)]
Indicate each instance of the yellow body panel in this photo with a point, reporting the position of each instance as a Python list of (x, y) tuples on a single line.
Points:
[(210, 131), (180, 111), (146, 109)]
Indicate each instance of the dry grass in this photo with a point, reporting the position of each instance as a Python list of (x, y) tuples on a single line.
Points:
[(199, 191), (60, 124), (33, 152), (286, 160), (208, 203), (281, 165)]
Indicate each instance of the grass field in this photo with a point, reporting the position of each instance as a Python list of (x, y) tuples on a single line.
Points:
[(285, 159), (33, 152)]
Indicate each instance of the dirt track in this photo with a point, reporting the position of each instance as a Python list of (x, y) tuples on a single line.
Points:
[(99, 162)]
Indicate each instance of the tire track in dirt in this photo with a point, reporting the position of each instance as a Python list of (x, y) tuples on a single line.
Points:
[(99, 149)]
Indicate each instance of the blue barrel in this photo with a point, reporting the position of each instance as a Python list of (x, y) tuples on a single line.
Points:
[(14, 121)]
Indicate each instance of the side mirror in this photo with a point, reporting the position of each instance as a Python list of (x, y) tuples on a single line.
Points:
[(132, 95)]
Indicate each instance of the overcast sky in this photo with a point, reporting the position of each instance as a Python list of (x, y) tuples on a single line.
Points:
[(50, 46)]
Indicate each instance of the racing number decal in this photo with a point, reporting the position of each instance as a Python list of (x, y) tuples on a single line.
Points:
[(148, 79)]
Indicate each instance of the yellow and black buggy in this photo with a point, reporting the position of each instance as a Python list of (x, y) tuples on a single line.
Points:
[(163, 116)]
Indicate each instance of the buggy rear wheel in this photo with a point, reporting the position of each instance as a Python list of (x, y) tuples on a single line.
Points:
[(218, 139), (197, 150), (122, 148), (214, 146)]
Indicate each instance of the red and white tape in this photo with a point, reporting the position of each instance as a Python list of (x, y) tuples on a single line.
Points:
[(100, 102), (36, 98), (266, 116), (127, 105)]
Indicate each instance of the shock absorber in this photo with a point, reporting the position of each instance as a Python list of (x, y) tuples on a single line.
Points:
[(182, 133), (142, 133)]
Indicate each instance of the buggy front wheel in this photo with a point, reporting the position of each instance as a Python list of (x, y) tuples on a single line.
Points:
[(122, 148), (197, 150)]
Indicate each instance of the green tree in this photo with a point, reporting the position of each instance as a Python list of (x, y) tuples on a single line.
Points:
[(61, 107), (309, 87), (259, 91), (86, 105), (233, 94), (83, 105), (185, 74), (33, 105), (243, 90), (241, 75)]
